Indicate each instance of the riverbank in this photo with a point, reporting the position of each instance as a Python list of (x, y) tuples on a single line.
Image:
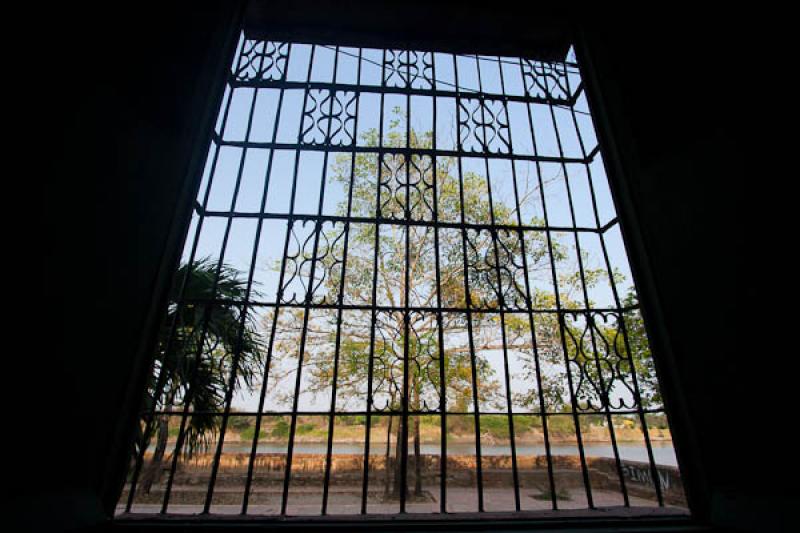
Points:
[(430, 436)]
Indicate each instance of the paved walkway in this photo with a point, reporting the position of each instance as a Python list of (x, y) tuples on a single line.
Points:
[(345, 501)]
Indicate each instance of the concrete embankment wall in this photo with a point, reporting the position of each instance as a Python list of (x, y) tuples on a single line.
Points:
[(347, 469)]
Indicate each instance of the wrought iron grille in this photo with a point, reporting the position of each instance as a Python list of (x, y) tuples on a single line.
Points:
[(404, 289)]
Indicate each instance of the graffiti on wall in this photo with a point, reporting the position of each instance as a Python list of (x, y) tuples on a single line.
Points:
[(641, 473)]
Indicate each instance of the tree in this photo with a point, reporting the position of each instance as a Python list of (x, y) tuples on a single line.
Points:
[(407, 277), (640, 352), (407, 253), (203, 383)]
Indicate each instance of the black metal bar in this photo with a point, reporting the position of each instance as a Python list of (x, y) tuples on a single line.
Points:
[(245, 308), (207, 310), (340, 298), (501, 301), (416, 308), (531, 322), (309, 298), (611, 223), (405, 91), (406, 293), (279, 297), (468, 299), (439, 324), (589, 318), (401, 222), (622, 324), (382, 150), (422, 412), (561, 326), (373, 309), (267, 180)]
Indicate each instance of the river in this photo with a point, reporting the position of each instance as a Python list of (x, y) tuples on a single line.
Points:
[(663, 451)]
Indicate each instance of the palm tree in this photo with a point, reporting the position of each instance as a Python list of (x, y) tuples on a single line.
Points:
[(218, 332)]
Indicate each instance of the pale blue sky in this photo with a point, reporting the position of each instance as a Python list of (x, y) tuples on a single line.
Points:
[(310, 169)]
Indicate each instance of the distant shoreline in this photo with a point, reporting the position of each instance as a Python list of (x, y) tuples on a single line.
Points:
[(587, 437)]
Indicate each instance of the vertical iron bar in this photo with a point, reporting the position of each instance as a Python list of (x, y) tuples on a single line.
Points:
[(406, 293), (279, 295), (440, 322), (618, 304), (529, 304), (500, 297), (160, 382), (208, 310), (373, 302), (589, 318), (560, 311), (318, 226), (245, 307), (340, 298), (468, 302)]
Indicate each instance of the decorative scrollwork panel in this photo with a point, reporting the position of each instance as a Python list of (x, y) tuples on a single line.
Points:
[(495, 269), (329, 118), (600, 366), (483, 126), (407, 187), (545, 80), (313, 263), (262, 60), (407, 69)]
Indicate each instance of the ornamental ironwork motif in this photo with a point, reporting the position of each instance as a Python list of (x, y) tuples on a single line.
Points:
[(545, 80), (407, 187), (313, 263), (483, 126), (601, 368), (329, 118), (495, 268), (391, 356), (408, 69), (262, 60), (403, 267)]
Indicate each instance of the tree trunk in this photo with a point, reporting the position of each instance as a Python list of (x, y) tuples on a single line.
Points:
[(387, 466), (398, 462), (153, 471), (417, 457)]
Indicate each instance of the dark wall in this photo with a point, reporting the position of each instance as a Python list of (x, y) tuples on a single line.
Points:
[(680, 111), (108, 119), (109, 106)]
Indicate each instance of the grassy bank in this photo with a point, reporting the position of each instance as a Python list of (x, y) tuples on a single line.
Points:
[(460, 429)]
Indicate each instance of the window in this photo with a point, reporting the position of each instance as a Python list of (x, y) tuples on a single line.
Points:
[(404, 290)]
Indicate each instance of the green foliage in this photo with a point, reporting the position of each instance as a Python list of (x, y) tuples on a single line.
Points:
[(197, 347), (281, 429), (415, 253), (561, 425), (249, 432), (240, 423), (305, 428), (496, 426), (562, 494)]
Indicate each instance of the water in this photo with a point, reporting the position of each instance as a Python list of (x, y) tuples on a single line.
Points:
[(663, 452)]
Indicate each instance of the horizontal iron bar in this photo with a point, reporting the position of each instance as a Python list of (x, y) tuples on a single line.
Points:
[(399, 222), (606, 520), (402, 150), (610, 224), (413, 91), (411, 308), (410, 412)]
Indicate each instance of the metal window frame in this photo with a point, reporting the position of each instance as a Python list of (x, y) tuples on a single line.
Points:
[(618, 170), (635, 248)]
